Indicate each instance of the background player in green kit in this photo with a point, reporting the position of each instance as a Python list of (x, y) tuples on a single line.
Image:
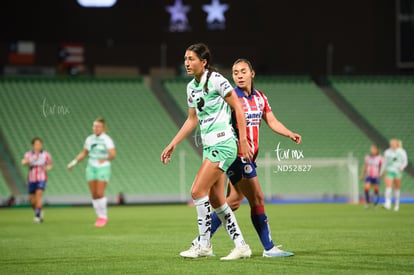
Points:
[(210, 97), (100, 149), (394, 162)]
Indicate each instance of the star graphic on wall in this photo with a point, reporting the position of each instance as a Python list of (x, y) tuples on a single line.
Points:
[(215, 12), (178, 12)]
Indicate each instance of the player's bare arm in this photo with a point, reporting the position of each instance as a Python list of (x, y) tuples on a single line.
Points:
[(83, 154), (279, 128)]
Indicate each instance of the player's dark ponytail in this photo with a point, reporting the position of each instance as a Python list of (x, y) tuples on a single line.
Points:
[(203, 52)]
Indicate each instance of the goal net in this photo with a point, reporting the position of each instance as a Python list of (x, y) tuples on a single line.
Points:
[(309, 180)]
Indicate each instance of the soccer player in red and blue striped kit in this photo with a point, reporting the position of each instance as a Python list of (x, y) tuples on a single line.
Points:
[(371, 174), (242, 173), (39, 162)]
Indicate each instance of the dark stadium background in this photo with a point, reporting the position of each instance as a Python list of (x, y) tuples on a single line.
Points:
[(280, 37)]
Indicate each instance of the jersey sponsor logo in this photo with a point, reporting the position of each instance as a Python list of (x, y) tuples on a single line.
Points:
[(98, 147), (254, 115), (253, 123), (221, 134), (194, 93), (253, 118), (225, 85), (207, 120)]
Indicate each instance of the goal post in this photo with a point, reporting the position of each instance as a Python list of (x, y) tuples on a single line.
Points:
[(309, 179)]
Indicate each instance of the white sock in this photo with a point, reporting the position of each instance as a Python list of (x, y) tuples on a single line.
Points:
[(203, 208), (100, 206), (229, 221), (388, 193), (397, 197), (96, 206), (103, 208)]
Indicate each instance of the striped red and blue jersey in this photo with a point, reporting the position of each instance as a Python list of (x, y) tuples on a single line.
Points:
[(254, 106), (37, 164), (373, 164)]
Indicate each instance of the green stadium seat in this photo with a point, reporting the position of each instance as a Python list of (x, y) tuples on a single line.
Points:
[(386, 103), (138, 124)]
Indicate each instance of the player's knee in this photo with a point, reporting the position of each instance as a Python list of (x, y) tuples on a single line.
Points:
[(196, 193)]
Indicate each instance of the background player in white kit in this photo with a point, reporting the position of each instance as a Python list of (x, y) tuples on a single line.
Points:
[(395, 160), (100, 149)]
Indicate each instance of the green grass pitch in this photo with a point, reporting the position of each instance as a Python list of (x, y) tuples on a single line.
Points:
[(327, 239)]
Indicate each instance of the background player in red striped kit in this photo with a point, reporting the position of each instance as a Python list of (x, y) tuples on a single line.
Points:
[(371, 174), (242, 173), (39, 162)]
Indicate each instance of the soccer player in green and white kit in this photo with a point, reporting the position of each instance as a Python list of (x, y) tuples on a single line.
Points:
[(100, 149), (210, 97), (394, 162)]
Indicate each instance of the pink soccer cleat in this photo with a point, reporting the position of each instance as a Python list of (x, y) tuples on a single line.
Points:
[(101, 222)]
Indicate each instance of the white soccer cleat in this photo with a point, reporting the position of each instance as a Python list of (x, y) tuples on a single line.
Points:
[(37, 220), (387, 206), (197, 251), (239, 252), (396, 208), (276, 252)]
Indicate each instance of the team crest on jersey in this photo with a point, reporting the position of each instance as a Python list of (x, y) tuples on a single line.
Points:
[(261, 103)]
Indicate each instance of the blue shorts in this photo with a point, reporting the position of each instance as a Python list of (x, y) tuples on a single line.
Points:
[(33, 186), (241, 169), (372, 180)]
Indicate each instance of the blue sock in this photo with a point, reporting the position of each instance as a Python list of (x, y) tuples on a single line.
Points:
[(367, 196), (377, 197), (38, 211), (259, 220), (215, 223)]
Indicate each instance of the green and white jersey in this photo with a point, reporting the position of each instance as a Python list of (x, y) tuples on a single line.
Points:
[(213, 112), (98, 148), (395, 160)]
